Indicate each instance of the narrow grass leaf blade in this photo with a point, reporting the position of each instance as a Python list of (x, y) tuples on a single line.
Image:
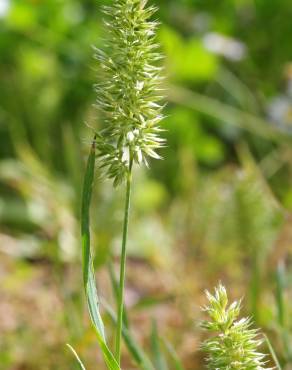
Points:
[(87, 265), (273, 353), (176, 361), (280, 303), (139, 356), (81, 366), (158, 357), (280, 283), (88, 274)]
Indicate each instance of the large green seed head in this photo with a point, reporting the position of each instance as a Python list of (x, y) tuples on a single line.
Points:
[(129, 93)]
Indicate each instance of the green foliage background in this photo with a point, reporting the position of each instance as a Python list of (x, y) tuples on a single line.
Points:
[(217, 207)]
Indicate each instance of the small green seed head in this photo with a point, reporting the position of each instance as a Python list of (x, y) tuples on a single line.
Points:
[(129, 93), (234, 344)]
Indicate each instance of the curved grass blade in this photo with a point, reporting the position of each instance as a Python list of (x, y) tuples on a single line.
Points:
[(158, 356), (139, 356), (280, 284), (87, 265), (273, 353), (176, 361), (81, 366)]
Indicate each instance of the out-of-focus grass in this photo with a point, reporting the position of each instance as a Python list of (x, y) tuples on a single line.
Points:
[(217, 207)]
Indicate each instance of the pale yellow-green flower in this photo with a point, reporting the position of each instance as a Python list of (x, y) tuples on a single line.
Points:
[(129, 93), (234, 345)]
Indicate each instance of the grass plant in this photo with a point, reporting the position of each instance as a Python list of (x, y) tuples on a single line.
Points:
[(215, 206), (128, 99)]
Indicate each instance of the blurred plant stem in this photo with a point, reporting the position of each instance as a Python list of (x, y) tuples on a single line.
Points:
[(120, 307), (226, 113)]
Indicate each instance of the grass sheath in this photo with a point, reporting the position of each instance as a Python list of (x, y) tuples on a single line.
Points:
[(120, 308)]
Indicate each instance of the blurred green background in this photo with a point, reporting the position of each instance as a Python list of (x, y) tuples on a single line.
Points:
[(218, 207)]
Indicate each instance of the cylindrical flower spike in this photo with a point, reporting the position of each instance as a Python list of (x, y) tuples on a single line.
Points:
[(129, 93)]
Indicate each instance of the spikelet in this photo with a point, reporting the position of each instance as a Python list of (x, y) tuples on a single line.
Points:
[(234, 344), (129, 93)]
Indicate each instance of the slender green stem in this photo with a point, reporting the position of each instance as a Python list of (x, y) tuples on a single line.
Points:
[(120, 307)]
